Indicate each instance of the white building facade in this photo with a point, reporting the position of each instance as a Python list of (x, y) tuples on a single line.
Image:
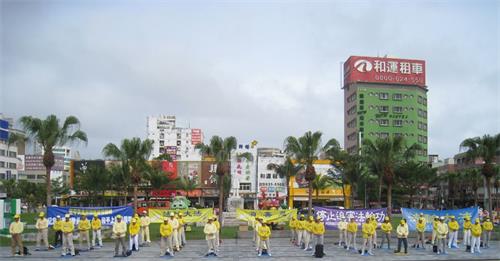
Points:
[(243, 174), (168, 138), (9, 161), (269, 182)]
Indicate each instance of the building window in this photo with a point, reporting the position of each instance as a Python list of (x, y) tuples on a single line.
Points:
[(383, 122), (12, 154), (397, 96), (12, 165), (424, 101), (383, 96), (162, 136), (2, 152), (262, 175), (275, 176), (397, 109), (352, 136), (384, 135), (352, 110), (31, 176), (162, 143), (383, 109), (397, 123), (351, 124), (420, 99), (268, 176), (2, 164), (351, 98), (245, 186)]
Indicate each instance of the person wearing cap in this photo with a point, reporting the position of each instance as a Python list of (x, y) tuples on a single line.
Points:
[(133, 230), (342, 226), (210, 229), (352, 230), (374, 223), (264, 235), (145, 222), (67, 229), (217, 234), (453, 234), (402, 233), (166, 238), (467, 233), (488, 228), (292, 225), (175, 229), (301, 223), (42, 227), (368, 231), (119, 233), (16, 229), (182, 231), (435, 224), (386, 235), (420, 226), (476, 231), (96, 230), (258, 224), (318, 232), (308, 233), (83, 230), (442, 232), (58, 231)]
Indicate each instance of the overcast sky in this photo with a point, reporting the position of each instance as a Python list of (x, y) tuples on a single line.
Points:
[(259, 70)]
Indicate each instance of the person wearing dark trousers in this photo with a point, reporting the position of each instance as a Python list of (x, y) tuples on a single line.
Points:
[(402, 233)]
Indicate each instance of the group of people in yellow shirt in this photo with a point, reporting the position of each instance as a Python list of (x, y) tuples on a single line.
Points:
[(307, 233)]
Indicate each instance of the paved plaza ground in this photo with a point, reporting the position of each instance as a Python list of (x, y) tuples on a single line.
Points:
[(242, 249)]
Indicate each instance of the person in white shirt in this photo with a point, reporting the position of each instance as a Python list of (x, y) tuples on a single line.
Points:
[(342, 226), (175, 231), (210, 229)]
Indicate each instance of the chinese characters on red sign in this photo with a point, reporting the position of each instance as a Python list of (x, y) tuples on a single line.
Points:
[(384, 70)]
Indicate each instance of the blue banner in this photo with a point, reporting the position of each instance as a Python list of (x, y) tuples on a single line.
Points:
[(332, 216), (412, 215), (106, 214)]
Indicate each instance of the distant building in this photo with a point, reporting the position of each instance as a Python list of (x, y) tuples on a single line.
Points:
[(269, 182), (9, 161), (243, 174), (168, 138), (385, 97)]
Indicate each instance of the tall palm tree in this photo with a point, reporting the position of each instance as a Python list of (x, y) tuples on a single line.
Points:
[(120, 179), (322, 182), (484, 148), (221, 149), (285, 170), (351, 170), (49, 133), (384, 155), (133, 153), (94, 181), (305, 150)]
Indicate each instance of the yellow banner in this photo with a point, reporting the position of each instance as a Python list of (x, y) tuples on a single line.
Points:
[(278, 215), (190, 215)]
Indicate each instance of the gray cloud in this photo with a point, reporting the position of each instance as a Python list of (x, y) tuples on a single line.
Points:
[(253, 70)]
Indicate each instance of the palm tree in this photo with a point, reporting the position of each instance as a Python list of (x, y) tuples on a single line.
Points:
[(412, 176), (186, 184), (220, 149), (484, 148), (322, 182), (94, 181), (383, 156), (120, 179), (285, 170), (305, 150), (49, 133), (133, 153), (350, 167)]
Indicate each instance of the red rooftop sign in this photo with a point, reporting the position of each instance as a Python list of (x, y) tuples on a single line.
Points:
[(384, 70)]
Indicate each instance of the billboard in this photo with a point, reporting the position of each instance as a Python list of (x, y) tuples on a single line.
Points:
[(195, 136), (384, 70), (35, 162), (209, 174), (190, 170)]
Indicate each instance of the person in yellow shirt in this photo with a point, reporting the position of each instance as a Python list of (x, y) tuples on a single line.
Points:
[(258, 224), (300, 230), (435, 224), (67, 229), (368, 231), (42, 227), (96, 231), (308, 233), (420, 226), (217, 237), (476, 231), (58, 231), (467, 227), (318, 231), (182, 230), (342, 226), (292, 225), (374, 223), (264, 235), (487, 227), (175, 230), (402, 233), (442, 233), (352, 230), (210, 230), (133, 230), (145, 222), (119, 233), (166, 238), (83, 229), (386, 235), (16, 229), (453, 234)]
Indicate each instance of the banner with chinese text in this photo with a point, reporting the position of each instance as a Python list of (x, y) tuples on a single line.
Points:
[(332, 216), (412, 215), (190, 215), (278, 215), (106, 214)]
